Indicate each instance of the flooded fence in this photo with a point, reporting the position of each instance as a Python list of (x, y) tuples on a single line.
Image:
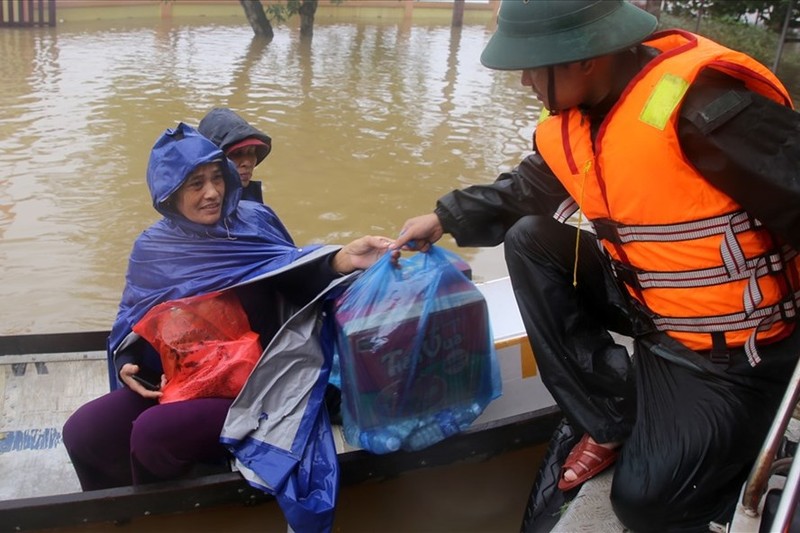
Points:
[(17, 13)]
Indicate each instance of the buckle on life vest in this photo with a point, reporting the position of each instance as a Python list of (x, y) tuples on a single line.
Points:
[(607, 230), (626, 274), (719, 349), (788, 308)]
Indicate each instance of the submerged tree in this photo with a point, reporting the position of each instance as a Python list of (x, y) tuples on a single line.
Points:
[(257, 18), (260, 19)]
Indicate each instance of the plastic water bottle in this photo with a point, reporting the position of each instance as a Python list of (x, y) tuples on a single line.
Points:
[(441, 425), (380, 440), (351, 434)]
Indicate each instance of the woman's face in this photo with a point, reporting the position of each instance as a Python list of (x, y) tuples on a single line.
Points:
[(199, 198)]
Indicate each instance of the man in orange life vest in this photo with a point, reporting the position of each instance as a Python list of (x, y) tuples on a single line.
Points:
[(683, 157)]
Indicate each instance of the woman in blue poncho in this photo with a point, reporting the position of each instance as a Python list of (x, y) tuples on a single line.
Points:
[(206, 241)]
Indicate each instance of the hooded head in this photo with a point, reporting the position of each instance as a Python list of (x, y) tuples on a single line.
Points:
[(173, 158), (230, 132)]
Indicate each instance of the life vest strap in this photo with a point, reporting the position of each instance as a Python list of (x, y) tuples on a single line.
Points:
[(786, 309), (759, 321), (750, 347), (719, 348), (755, 267), (730, 223)]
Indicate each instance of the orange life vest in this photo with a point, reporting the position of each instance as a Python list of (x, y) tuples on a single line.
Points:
[(709, 274)]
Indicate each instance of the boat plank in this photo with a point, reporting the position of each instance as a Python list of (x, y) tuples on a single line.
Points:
[(53, 343)]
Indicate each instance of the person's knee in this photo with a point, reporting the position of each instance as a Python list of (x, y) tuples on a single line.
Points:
[(539, 241), (77, 434), (534, 240), (639, 508), (527, 231), (70, 435), (150, 441)]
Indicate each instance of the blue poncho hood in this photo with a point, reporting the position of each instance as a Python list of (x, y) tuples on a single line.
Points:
[(175, 257)]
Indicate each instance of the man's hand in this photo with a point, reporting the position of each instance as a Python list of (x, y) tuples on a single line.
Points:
[(419, 233), (361, 254)]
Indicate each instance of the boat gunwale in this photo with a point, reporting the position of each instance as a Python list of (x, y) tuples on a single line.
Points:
[(122, 504), (53, 343)]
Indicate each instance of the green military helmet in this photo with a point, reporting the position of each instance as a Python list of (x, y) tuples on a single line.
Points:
[(539, 33)]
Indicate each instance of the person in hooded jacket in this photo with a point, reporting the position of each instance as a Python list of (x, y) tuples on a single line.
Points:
[(242, 143), (206, 241), (683, 156), (247, 147)]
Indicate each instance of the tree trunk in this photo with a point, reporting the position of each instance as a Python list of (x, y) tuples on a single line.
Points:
[(458, 13), (307, 10), (257, 18)]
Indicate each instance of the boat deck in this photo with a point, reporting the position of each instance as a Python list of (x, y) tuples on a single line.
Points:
[(39, 393)]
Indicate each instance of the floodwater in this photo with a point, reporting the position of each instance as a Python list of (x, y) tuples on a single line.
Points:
[(371, 123)]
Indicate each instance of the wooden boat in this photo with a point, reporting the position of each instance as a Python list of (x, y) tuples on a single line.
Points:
[(43, 378)]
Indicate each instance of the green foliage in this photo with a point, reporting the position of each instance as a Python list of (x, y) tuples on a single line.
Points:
[(750, 39), (769, 13), (282, 12)]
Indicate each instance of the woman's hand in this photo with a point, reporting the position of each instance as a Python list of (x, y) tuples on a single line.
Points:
[(126, 374), (419, 233), (361, 254)]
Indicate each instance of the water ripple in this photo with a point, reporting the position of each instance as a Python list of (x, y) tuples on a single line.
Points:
[(371, 123)]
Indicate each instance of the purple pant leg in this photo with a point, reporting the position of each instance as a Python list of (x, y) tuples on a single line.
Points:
[(97, 438), (121, 438), (168, 440)]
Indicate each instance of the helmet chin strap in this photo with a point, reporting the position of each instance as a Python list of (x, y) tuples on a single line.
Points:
[(551, 90)]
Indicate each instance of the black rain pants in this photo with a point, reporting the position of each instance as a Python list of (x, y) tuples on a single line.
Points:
[(691, 428)]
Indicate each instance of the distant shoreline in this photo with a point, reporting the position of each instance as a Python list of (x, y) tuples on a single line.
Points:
[(475, 11)]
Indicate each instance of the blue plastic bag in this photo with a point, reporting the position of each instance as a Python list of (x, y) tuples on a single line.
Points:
[(417, 354)]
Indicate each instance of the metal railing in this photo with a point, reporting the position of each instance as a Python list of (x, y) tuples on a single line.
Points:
[(756, 484), (784, 38), (17, 13)]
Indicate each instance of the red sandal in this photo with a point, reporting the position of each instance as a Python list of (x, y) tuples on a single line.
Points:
[(586, 460)]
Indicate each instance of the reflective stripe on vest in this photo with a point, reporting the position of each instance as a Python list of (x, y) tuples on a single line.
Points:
[(689, 253), (567, 208)]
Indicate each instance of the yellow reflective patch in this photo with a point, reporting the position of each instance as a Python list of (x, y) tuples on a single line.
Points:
[(666, 96), (544, 114)]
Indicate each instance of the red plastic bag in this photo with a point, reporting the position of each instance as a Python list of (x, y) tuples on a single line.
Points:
[(207, 348)]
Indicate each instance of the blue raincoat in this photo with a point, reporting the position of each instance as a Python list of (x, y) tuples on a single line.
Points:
[(176, 258)]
